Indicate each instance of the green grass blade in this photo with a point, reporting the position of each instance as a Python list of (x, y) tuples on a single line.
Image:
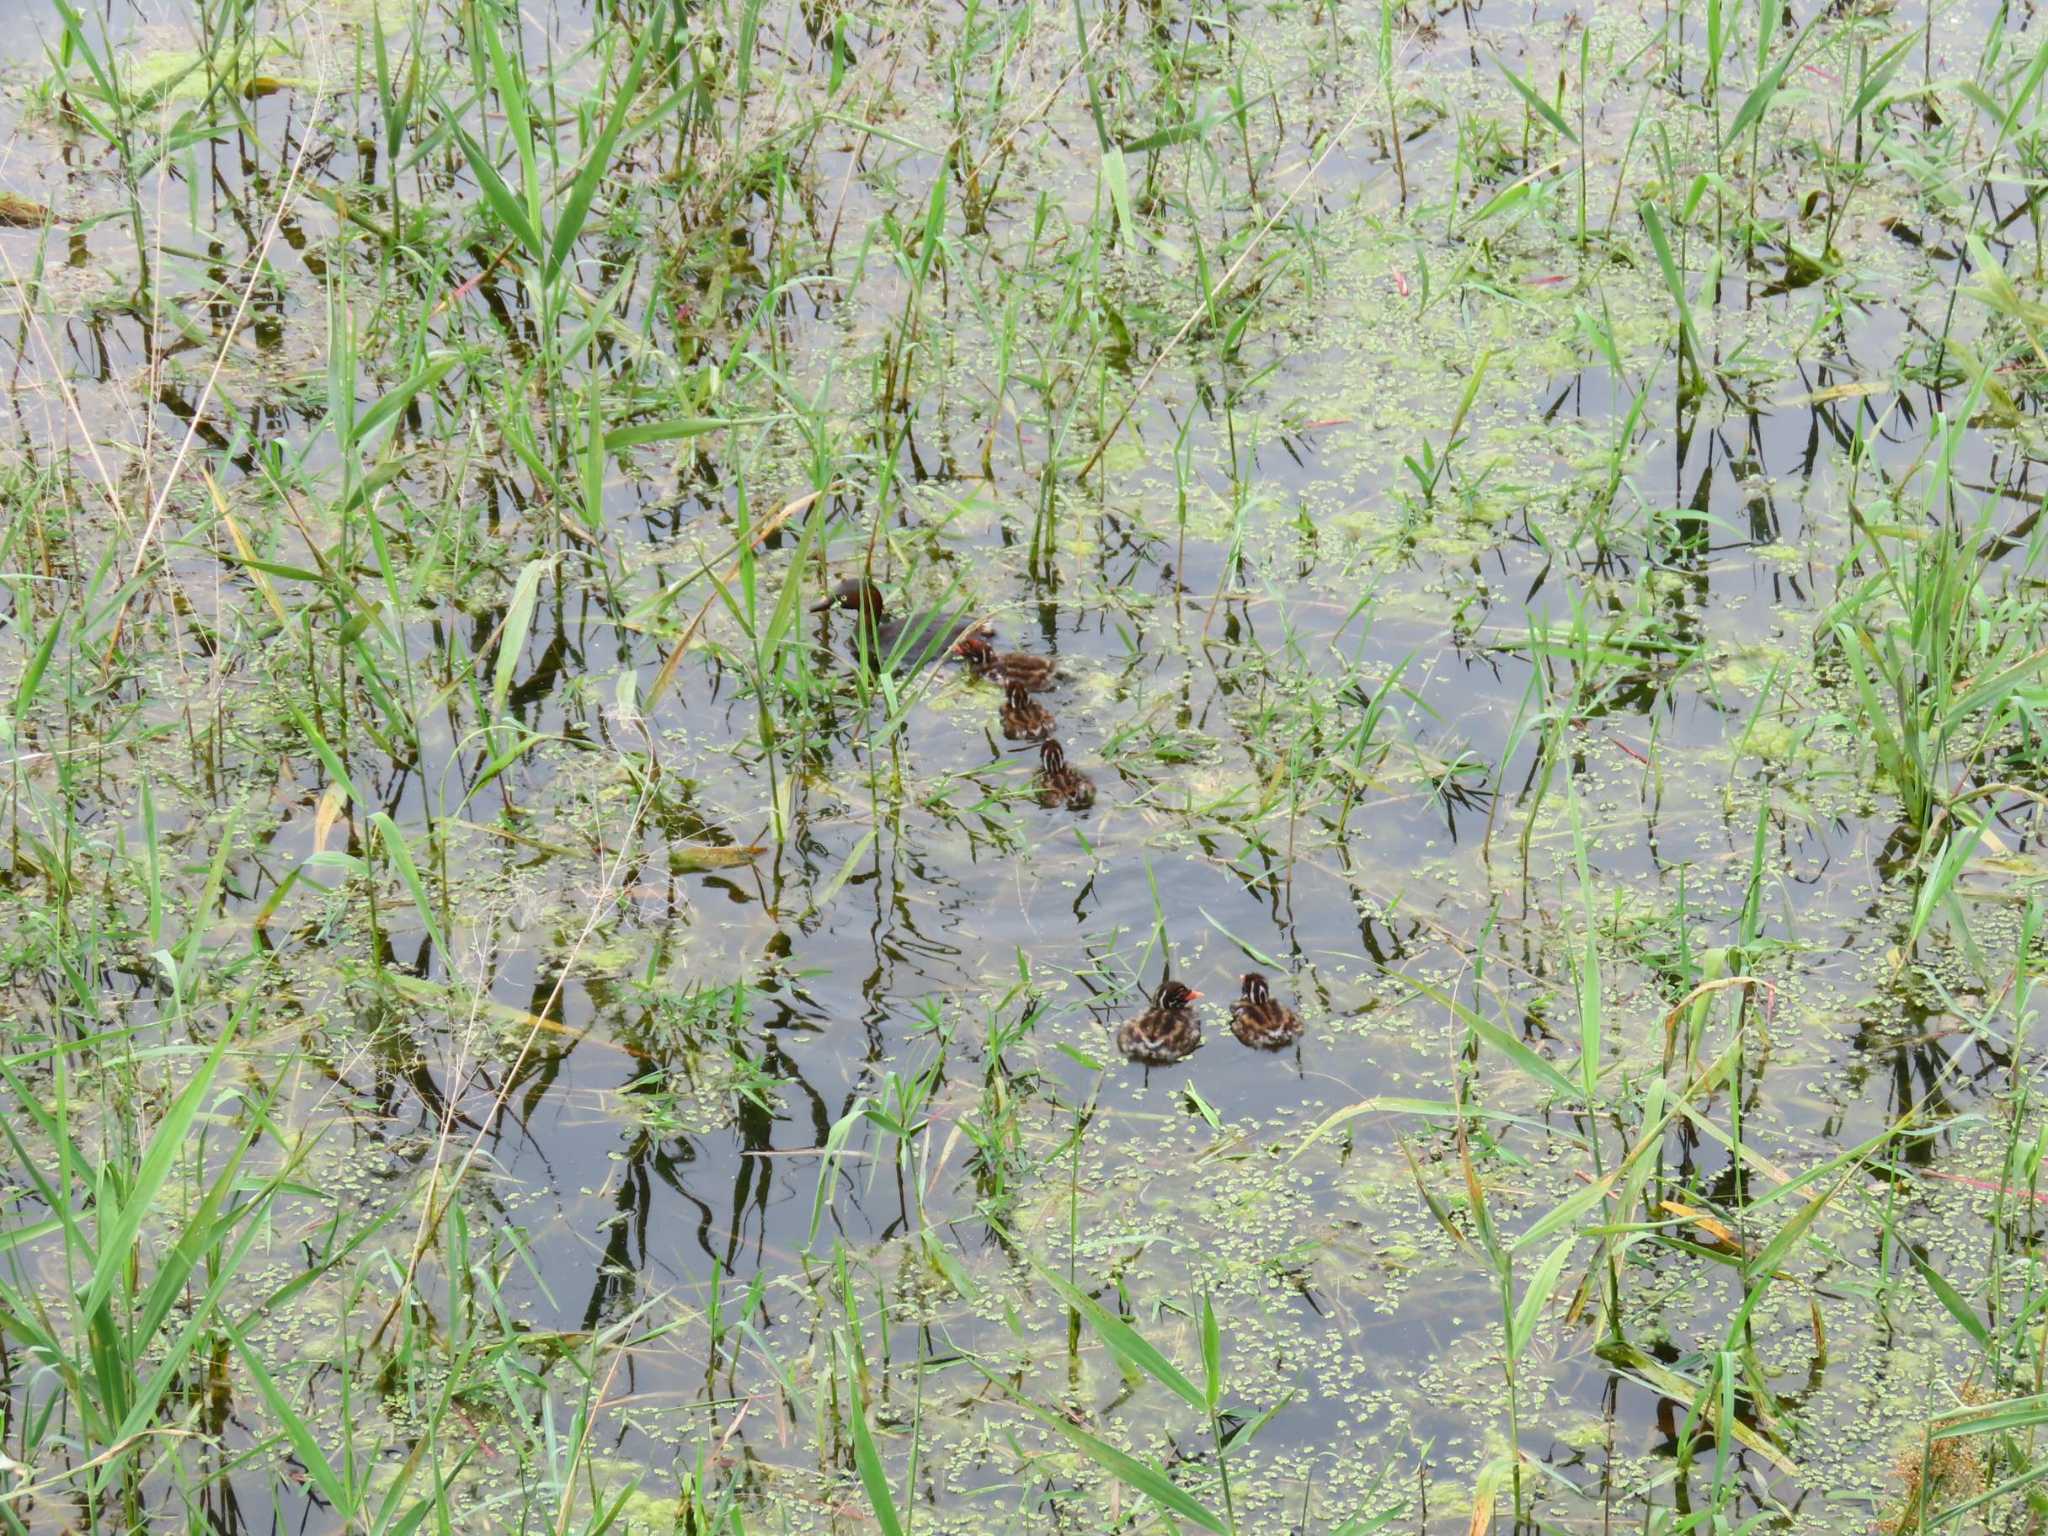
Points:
[(1504, 1042), (388, 407), (1132, 1349), (1765, 91), (297, 1432), (1530, 1310), (1537, 104), (1212, 1355), (324, 752), (120, 1227), (873, 1477), (32, 676), (401, 855), (499, 196), (828, 1168), (1125, 1468), (512, 639), (575, 209), (1660, 242), (1951, 1298), (674, 428)]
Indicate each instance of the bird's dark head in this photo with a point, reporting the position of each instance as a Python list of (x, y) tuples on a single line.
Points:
[(974, 649), (1255, 987), (856, 592), (1176, 995), (1053, 756)]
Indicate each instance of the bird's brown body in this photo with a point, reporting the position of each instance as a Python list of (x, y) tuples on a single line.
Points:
[(1165, 1032), (1013, 669), (912, 640), (1060, 785), (1023, 718), (1261, 1020)]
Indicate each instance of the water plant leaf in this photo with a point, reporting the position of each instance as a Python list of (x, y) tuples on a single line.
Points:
[(1125, 1468), (844, 872), (575, 208), (1375, 1105), (2024, 93), (421, 380), (1436, 1207), (1212, 1355), (1989, 1418), (672, 429), (1681, 1388), (456, 999), (694, 858), (948, 1264), (1660, 243), (1178, 133), (1249, 1431), (298, 1433), (1244, 944), (868, 1462), (1586, 972), (1504, 1042), (1940, 874), (243, 550), (828, 1167), (205, 1230), (1567, 1211), (1506, 200), (1855, 389), (1485, 1489), (1537, 104), (1765, 90), (395, 845), (277, 568), (1950, 1297), (359, 623), (503, 203), (1087, 56), (323, 751), (1877, 75), (333, 801), (512, 636), (1765, 1267), (1719, 1231), (32, 675), (120, 1226), (1136, 1354), (1117, 177)]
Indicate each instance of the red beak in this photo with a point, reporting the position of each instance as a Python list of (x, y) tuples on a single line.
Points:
[(1193, 993)]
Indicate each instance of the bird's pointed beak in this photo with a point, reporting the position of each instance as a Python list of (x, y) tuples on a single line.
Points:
[(821, 605), (1193, 993)]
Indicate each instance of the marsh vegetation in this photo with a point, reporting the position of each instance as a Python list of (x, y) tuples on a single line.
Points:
[(518, 1014)]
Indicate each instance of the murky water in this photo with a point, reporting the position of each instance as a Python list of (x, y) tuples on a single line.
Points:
[(705, 1029)]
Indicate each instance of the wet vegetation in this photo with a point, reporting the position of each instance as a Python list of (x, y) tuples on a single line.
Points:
[(1510, 558)]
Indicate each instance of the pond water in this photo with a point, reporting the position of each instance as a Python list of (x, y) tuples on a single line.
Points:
[(648, 1011)]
